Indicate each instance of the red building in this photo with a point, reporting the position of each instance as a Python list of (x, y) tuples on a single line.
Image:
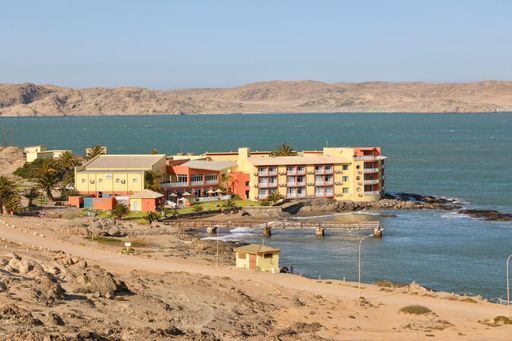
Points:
[(200, 178)]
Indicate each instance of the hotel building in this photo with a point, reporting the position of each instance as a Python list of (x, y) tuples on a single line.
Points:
[(339, 173)]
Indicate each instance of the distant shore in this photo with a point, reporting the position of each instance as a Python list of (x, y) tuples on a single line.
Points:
[(277, 97)]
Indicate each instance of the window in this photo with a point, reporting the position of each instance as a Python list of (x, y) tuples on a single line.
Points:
[(290, 169), (181, 177), (345, 167), (344, 179), (211, 177), (134, 180), (345, 190), (118, 180), (300, 169), (100, 181), (318, 168), (241, 256), (328, 168), (267, 255), (83, 181), (196, 178)]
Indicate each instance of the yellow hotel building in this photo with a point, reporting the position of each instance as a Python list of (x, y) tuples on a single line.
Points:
[(355, 174), (117, 174)]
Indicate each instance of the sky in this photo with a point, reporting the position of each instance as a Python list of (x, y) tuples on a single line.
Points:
[(191, 43)]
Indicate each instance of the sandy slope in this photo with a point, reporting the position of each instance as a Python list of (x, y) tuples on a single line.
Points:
[(263, 97), (330, 309)]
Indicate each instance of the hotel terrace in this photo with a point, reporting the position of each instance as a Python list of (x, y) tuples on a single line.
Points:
[(355, 174)]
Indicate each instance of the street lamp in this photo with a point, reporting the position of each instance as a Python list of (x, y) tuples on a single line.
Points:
[(359, 261), (508, 287)]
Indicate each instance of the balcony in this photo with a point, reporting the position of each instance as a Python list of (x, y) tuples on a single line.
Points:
[(295, 184), (197, 183), (323, 171), (296, 195), (369, 158), (267, 184), (296, 172), (174, 184), (323, 183), (371, 182), (371, 170), (212, 182), (372, 193)]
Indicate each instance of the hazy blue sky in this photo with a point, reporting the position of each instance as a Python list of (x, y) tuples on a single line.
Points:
[(173, 44)]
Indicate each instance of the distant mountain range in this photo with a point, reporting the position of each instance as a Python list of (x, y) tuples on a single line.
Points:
[(263, 97)]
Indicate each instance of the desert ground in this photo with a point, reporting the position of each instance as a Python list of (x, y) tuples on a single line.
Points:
[(56, 284)]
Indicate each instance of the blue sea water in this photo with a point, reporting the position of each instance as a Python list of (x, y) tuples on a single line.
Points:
[(468, 157)]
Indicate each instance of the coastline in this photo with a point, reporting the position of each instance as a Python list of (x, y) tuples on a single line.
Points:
[(377, 314)]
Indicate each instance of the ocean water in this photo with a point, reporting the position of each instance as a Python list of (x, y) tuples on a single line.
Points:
[(468, 157)]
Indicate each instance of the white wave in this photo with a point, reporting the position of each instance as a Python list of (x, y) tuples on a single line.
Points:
[(243, 230), (452, 215), (229, 237)]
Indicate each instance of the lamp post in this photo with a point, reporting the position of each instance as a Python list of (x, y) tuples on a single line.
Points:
[(359, 261), (508, 287)]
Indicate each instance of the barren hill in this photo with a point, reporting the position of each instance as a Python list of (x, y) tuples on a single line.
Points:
[(262, 97)]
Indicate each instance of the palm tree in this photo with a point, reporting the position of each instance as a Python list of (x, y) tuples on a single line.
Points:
[(230, 203), (152, 180), (154, 151), (96, 150), (31, 194), (47, 177), (275, 197), (66, 164), (150, 217), (120, 211), (7, 192), (13, 203), (283, 150)]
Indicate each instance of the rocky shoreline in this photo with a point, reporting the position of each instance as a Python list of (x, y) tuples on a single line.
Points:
[(401, 201)]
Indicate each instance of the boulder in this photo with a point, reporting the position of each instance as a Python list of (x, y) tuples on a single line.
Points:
[(96, 281)]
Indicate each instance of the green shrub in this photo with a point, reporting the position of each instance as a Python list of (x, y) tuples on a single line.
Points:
[(197, 208), (415, 309)]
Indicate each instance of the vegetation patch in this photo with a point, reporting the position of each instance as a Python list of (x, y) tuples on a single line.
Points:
[(117, 241), (415, 310), (501, 320), (389, 284)]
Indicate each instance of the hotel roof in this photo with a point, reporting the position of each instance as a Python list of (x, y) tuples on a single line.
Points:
[(209, 165), (127, 161), (146, 194), (295, 160), (255, 248)]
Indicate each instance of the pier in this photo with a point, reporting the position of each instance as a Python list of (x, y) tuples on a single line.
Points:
[(212, 224)]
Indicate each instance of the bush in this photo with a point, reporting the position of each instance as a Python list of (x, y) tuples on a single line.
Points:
[(29, 169), (415, 309), (197, 208)]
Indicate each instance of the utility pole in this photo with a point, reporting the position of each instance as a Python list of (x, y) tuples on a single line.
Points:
[(359, 262)]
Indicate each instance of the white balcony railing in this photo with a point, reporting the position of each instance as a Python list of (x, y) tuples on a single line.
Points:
[(197, 183), (369, 158), (174, 184), (371, 182), (295, 184), (323, 183), (212, 182), (295, 195), (297, 172), (267, 184), (372, 193), (371, 170)]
